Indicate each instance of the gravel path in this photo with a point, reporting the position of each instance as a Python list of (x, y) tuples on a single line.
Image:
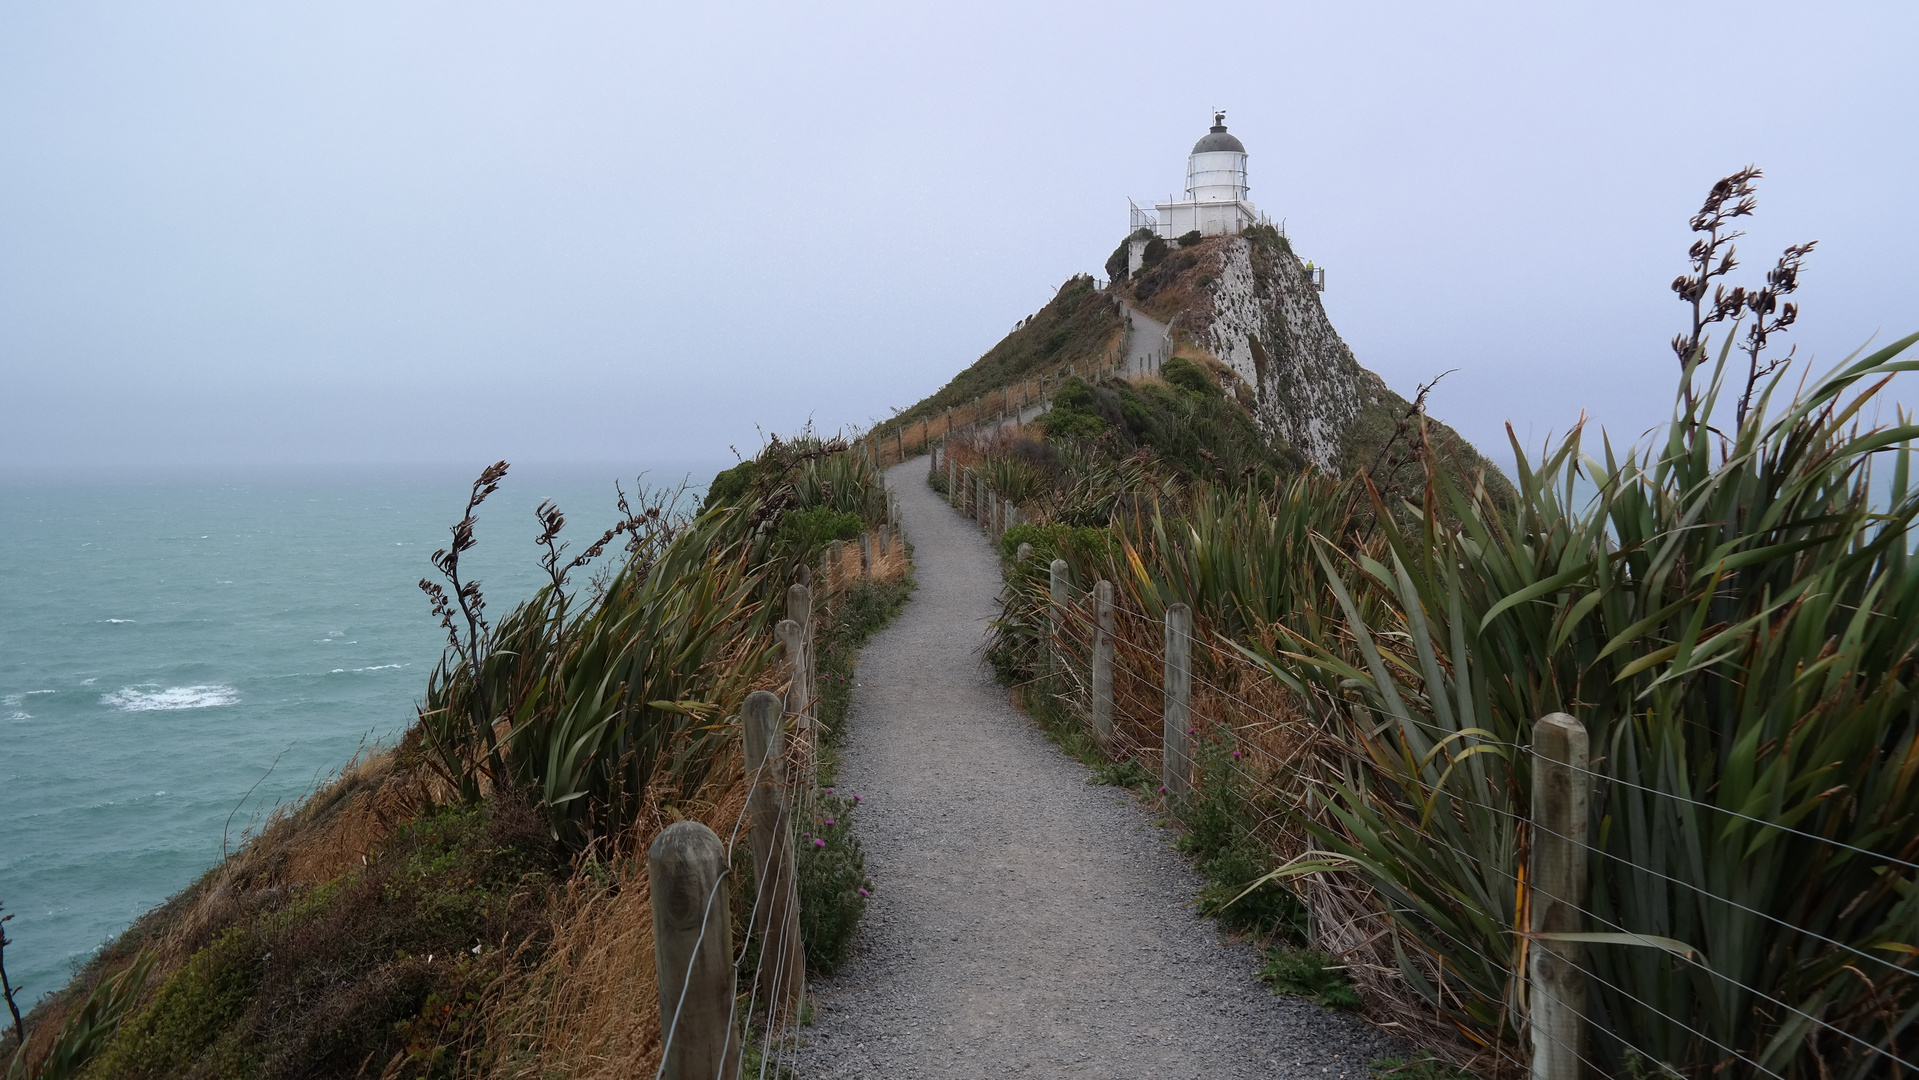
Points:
[(1024, 922), (1148, 346)]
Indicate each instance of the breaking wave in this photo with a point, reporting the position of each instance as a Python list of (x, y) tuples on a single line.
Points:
[(151, 697)]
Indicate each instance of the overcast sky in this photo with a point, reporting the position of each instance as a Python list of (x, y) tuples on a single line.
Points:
[(408, 232)]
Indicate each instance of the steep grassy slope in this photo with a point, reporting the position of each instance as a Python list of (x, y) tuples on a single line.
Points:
[(1080, 324)]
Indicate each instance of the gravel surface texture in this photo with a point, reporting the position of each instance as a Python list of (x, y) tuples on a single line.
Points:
[(1024, 921)]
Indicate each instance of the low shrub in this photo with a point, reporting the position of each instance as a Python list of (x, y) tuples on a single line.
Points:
[(1129, 774), (1230, 857), (730, 486), (810, 530), (1187, 376), (1085, 544), (1311, 974), (833, 885)]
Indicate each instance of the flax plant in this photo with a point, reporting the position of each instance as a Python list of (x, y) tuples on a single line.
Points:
[(589, 706), (1734, 619), (631, 692), (1242, 558)]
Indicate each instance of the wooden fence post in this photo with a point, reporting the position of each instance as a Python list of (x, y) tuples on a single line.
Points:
[(799, 699), (693, 951), (1176, 771), (1024, 553), (799, 608), (1561, 789), (799, 605), (952, 481), (1103, 664), (886, 538), (769, 808), (1056, 614), (866, 556)]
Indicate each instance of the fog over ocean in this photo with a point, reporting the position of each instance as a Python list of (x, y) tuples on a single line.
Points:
[(171, 643)]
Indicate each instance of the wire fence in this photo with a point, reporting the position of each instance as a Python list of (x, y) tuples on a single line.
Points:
[(744, 1020), (1248, 728)]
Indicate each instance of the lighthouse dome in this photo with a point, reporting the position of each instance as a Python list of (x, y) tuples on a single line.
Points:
[(1216, 140)]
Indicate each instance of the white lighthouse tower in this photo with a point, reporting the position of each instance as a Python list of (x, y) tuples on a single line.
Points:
[(1216, 187)]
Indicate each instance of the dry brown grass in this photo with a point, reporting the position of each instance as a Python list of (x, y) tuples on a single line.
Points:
[(589, 1009), (843, 575)]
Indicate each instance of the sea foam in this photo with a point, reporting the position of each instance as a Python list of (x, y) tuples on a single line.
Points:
[(150, 697)]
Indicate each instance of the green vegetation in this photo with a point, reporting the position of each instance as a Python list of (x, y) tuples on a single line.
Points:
[(1192, 428), (1731, 676), (93, 1026), (1127, 774), (386, 960), (1310, 974), (1731, 610), (813, 529), (833, 884), (611, 698), (1220, 836)]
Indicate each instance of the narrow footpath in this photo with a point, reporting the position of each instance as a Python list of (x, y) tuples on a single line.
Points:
[(1024, 922), (1149, 345)]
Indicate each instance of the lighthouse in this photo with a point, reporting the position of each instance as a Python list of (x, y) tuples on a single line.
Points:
[(1216, 187)]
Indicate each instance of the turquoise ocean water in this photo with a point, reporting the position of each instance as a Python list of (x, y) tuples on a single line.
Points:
[(168, 646)]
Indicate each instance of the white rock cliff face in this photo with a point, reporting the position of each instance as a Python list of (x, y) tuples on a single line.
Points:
[(1268, 325)]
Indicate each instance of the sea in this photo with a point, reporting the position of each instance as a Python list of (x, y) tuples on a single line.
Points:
[(182, 654)]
